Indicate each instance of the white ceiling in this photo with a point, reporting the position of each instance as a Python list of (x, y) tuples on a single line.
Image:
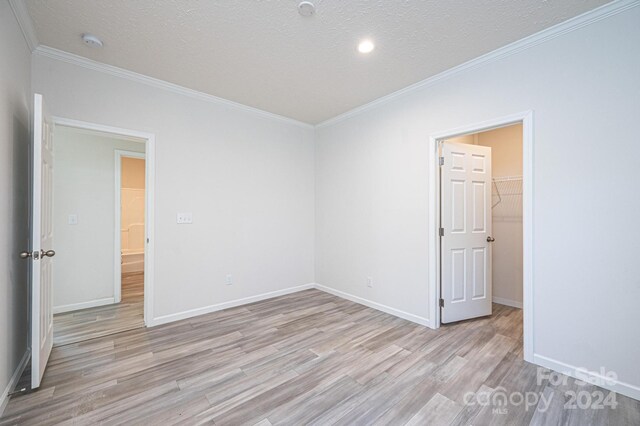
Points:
[(263, 54)]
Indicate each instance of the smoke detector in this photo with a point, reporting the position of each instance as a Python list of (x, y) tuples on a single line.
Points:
[(306, 8), (92, 41)]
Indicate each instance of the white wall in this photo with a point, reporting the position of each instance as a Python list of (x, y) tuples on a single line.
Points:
[(15, 109), (584, 89), (247, 178), (506, 149), (84, 185)]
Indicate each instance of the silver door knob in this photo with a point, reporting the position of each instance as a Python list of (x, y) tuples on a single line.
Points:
[(25, 254), (490, 239), (48, 253)]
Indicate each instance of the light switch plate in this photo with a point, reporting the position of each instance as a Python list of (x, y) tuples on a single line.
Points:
[(73, 219), (184, 218)]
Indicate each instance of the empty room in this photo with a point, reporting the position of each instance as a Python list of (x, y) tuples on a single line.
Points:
[(319, 212)]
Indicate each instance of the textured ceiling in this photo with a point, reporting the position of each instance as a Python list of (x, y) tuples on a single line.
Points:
[(263, 54)]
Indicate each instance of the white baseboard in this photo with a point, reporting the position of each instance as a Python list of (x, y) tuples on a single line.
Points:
[(83, 305), (4, 398), (595, 377), (378, 306), (164, 319), (507, 302)]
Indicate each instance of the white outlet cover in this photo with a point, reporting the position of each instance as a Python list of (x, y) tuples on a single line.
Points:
[(184, 218), (73, 219)]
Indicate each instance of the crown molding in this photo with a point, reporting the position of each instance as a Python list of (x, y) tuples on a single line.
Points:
[(70, 58), (565, 27), (26, 24)]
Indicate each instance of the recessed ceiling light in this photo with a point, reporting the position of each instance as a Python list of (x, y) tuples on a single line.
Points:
[(91, 41), (366, 46), (306, 8)]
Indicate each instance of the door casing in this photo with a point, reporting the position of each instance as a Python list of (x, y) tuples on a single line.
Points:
[(526, 119)]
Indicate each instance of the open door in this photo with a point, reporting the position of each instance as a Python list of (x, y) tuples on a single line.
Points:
[(42, 242), (466, 231)]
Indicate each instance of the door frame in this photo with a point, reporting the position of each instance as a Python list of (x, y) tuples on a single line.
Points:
[(526, 119), (117, 253), (149, 140)]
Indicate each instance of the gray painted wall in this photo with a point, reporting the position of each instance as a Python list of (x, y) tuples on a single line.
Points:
[(15, 106)]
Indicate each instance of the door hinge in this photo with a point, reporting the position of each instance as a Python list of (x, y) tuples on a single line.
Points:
[(442, 161), (442, 232), (442, 303)]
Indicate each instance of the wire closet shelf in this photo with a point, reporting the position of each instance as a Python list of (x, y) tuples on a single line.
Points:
[(506, 197)]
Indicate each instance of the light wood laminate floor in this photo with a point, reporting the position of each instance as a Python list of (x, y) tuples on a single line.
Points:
[(301, 359), (76, 326)]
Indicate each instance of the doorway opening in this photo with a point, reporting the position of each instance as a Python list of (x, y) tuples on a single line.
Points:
[(129, 229), (100, 222), (71, 289), (481, 206)]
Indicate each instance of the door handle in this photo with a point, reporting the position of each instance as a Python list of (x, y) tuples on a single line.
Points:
[(37, 255), (490, 239), (48, 253), (25, 254)]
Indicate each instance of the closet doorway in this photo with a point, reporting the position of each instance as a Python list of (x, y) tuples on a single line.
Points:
[(481, 222), (482, 225)]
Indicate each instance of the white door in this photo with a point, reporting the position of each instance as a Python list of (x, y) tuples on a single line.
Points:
[(42, 242), (466, 234)]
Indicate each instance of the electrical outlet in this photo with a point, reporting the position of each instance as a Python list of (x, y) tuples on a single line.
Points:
[(229, 279), (369, 282), (73, 219), (184, 218)]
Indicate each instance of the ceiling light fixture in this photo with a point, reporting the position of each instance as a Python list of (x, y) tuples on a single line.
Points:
[(366, 46), (92, 41), (306, 8)]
